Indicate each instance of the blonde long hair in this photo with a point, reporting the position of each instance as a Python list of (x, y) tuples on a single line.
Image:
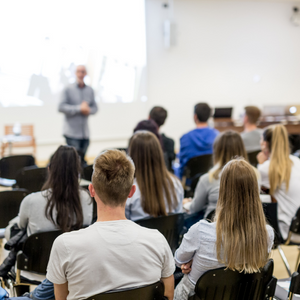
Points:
[(240, 222), (227, 145), (154, 180), (280, 167)]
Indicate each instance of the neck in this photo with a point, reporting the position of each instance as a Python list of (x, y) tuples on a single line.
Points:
[(201, 124), (106, 213), (81, 83), (250, 127)]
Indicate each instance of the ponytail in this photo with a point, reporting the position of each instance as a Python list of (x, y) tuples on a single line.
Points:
[(280, 163)]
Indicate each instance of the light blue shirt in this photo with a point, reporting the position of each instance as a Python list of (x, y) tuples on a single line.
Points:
[(134, 210)]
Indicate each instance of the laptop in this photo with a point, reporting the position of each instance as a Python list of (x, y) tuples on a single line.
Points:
[(222, 113)]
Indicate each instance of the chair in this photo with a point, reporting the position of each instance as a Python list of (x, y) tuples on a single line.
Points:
[(270, 210), (153, 291), (170, 226), (25, 130), (9, 205), (87, 172), (222, 284), (194, 168), (252, 158), (31, 178), (10, 165), (295, 285), (33, 258)]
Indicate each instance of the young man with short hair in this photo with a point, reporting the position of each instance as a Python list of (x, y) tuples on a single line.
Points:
[(198, 141), (251, 135), (113, 253)]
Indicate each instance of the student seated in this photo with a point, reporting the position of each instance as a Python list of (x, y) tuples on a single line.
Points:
[(158, 192), (113, 253), (238, 238), (61, 204), (227, 145), (251, 134), (158, 114), (280, 172), (198, 141)]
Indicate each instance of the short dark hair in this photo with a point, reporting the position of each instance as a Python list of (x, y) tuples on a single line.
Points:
[(113, 177), (253, 113), (202, 111), (158, 114)]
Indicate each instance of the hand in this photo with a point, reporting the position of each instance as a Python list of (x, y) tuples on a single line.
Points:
[(186, 200), (84, 108), (261, 157), (187, 268)]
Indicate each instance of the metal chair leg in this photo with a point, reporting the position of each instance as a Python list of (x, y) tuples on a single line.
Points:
[(11, 288), (290, 296), (298, 259), (287, 266)]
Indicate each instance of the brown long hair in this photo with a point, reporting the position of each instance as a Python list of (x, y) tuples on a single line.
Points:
[(152, 176), (240, 222), (280, 164), (227, 145), (63, 190)]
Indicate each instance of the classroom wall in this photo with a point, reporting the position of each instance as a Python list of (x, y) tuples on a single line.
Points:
[(227, 53)]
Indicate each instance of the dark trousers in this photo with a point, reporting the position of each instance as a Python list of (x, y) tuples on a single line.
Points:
[(80, 145)]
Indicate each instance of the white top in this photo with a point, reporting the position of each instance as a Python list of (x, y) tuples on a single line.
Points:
[(32, 212), (288, 201), (134, 210), (108, 256), (199, 244)]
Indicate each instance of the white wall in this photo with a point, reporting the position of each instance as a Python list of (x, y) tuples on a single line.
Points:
[(220, 47)]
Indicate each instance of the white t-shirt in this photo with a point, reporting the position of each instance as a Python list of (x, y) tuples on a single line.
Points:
[(288, 201), (108, 256)]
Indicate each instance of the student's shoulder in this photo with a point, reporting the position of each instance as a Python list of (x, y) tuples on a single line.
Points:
[(34, 198)]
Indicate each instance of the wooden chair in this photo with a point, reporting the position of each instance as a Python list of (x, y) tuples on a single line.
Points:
[(225, 284), (153, 291), (25, 130)]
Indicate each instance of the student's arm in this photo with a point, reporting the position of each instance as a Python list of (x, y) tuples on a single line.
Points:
[(61, 291), (67, 108), (201, 196), (24, 212), (169, 287)]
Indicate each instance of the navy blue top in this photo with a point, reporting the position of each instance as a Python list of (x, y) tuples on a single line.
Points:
[(194, 143)]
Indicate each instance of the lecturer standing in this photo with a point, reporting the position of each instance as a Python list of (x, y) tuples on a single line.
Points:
[(77, 103)]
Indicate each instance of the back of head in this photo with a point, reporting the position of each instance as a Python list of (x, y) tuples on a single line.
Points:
[(242, 238), (277, 140), (148, 125), (253, 113), (153, 179), (63, 185), (158, 114), (202, 111), (113, 177), (227, 145)]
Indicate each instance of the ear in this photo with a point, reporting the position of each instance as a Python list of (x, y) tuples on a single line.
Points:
[(132, 191), (195, 118), (92, 190)]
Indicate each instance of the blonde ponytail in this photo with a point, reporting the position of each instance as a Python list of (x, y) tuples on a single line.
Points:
[(280, 163)]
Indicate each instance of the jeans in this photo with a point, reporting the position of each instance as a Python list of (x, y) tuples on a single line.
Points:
[(80, 145), (44, 291)]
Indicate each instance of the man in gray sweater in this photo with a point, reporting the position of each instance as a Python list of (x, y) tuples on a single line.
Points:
[(77, 103)]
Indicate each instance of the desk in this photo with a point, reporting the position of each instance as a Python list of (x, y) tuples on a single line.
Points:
[(228, 124)]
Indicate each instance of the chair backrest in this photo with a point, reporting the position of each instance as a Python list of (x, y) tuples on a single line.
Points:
[(295, 224), (153, 291), (9, 205), (36, 251), (294, 285), (222, 284), (31, 178), (10, 165), (88, 172), (25, 130), (170, 226), (270, 210), (198, 165), (252, 158)]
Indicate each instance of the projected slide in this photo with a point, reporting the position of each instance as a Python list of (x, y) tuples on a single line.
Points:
[(43, 41)]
